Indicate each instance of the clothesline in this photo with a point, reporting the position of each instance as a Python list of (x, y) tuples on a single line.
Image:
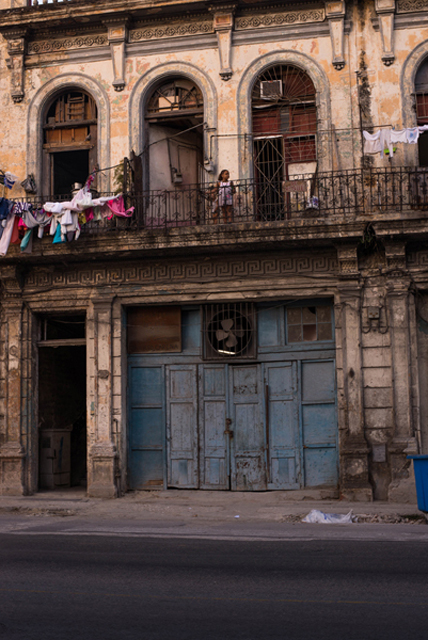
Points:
[(383, 140), (19, 219)]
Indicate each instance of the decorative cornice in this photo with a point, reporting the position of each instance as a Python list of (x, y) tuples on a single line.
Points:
[(411, 6), (174, 30), (49, 46), (278, 19)]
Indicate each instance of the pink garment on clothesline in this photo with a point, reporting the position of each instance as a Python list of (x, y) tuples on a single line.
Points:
[(117, 207)]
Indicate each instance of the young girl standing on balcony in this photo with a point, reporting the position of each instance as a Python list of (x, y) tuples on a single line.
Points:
[(225, 190)]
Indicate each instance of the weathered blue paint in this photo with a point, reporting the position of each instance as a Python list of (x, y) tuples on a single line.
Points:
[(182, 426), (146, 427), (213, 412), (282, 424), (319, 423), (248, 445), (281, 412)]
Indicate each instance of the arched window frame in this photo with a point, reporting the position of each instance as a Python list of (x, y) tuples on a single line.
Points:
[(36, 117), (244, 92)]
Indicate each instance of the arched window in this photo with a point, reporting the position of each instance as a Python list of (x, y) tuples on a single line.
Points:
[(70, 141), (174, 120), (421, 91), (284, 132)]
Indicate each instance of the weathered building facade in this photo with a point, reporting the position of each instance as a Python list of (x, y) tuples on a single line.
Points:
[(284, 348)]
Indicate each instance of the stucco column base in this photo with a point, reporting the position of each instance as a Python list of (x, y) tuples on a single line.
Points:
[(402, 487), (354, 465), (12, 469), (102, 476)]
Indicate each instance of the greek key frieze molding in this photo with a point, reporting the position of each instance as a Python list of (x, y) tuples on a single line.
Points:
[(417, 259), (279, 19), (49, 46), (188, 271), (411, 6), (171, 31)]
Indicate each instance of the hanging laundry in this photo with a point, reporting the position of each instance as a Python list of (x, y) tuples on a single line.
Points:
[(386, 137), (15, 239), (385, 140), (399, 136), (9, 179), (413, 135), (372, 143), (7, 234), (32, 219), (5, 208), (117, 207), (27, 241)]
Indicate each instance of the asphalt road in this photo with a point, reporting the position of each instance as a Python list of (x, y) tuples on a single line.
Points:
[(99, 587)]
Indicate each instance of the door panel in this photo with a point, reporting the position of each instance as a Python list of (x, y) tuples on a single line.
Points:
[(212, 424), (182, 433), (248, 460), (319, 423), (282, 418), (146, 427)]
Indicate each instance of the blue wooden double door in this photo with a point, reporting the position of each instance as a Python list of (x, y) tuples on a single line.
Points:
[(244, 427)]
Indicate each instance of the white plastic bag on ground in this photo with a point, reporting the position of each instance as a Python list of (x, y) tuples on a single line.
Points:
[(316, 517)]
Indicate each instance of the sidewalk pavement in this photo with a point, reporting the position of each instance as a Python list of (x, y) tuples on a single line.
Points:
[(208, 506)]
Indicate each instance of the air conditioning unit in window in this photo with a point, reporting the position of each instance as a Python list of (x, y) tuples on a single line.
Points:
[(271, 89)]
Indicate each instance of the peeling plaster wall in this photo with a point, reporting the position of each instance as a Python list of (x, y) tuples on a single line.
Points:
[(339, 151)]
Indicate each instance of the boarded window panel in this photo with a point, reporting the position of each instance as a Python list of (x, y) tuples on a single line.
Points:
[(154, 330), (266, 122), (422, 108)]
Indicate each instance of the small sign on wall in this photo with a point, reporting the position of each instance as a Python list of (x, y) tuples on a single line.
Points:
[(299, 186)]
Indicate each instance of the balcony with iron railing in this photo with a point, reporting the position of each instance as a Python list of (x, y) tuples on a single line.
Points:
[(340, 195), (326, 206)]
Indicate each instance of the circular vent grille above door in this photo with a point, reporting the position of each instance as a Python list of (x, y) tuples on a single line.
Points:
[(229, 331)]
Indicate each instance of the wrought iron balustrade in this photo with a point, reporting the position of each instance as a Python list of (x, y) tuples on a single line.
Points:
[(344, 194)]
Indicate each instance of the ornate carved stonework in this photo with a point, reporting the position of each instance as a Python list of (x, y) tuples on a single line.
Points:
[(411, 6), (185, 272), (335, 12), (171, 31), (348, 260), (385, 10), (16, 44), (49, 46), (223, 25), (117, 36), (279, 19)]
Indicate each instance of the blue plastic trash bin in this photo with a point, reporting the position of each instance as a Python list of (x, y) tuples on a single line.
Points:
[(420, 464)]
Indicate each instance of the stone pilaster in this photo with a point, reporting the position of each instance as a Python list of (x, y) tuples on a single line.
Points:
[(399, 294), (102, 450), (12, 454), (353, 449)]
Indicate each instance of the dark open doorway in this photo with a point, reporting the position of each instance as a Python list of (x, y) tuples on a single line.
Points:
[(62, 403), (69, 167)]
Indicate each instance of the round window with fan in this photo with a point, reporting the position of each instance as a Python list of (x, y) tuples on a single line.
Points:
[(229, 331)]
